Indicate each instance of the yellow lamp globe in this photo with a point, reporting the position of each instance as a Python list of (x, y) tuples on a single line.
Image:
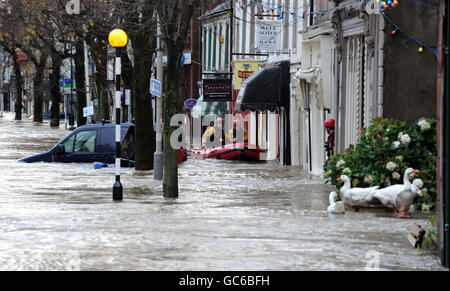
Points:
[(118, 38)]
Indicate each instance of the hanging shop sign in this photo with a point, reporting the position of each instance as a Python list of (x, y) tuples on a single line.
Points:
[(217, 89), (243, 70), (268, 36)]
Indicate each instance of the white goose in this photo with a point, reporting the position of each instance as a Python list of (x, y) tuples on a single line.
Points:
[(399, 196), (356, 196), (335, 207)]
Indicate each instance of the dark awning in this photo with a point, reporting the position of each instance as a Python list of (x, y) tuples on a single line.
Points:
[(265, 90), (261, 91)]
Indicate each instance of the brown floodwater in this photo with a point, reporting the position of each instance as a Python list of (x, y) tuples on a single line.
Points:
[(229, 216)]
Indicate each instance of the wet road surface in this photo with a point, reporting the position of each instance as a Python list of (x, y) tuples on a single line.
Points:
[(229, 216)]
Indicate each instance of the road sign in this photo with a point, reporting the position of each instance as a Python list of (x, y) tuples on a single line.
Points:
[(190, 103), (127, 97), (88, 111), (155, 87)]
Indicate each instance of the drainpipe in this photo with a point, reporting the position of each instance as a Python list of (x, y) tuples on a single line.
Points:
[(381, 24), (339, 105), (447, 134)]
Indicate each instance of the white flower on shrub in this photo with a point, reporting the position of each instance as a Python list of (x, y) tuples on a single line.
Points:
[(346, 170), (418, 183), (391, 166), (405, 139), (396, 144), (396, 176), (399, 136), (340, 163), (424, 125), (368, 179)]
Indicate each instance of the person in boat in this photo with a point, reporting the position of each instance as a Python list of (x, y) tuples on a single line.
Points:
[(211, 130), (329, 144), (237, 131)]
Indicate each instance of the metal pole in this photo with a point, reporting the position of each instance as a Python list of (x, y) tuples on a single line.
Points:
[(128, 101), (86, 73), (158, 156), (71, 87), (2, 95), (231, 35), (65, 111), (117, 188), (447, 132)]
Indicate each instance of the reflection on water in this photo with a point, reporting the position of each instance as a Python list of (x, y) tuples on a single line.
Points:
[(229, 216)]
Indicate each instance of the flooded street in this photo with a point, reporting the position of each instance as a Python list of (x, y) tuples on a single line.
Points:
[(229, 216)]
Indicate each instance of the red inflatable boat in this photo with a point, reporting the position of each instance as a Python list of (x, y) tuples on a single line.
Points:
[(236, 151)]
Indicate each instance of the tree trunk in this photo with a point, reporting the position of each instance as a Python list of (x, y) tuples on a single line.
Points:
[(143, 114), (170, 181), (55, 76), (19, 87), (38, 90), (80, 82), (102, 84), (127, 78)]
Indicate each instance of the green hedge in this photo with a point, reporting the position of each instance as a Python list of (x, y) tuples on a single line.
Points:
[(385, 150)]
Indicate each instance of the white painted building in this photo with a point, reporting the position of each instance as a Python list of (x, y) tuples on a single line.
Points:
[(266, 32), (341, 77)]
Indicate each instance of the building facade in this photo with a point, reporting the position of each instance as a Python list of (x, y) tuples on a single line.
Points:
[(243, 38), (346, 71)]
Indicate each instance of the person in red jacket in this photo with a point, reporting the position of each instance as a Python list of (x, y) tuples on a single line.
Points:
[(329, 144)]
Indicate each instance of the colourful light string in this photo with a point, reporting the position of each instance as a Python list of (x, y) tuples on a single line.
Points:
[(435, 51), (322, 12)]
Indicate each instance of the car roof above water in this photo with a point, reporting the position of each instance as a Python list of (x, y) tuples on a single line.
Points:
[(100, 125)]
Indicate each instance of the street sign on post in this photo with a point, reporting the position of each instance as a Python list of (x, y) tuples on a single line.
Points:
[(155, 87), (88, 111), (190, 103)]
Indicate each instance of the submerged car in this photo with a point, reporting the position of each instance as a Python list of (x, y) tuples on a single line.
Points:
[(91, 143)]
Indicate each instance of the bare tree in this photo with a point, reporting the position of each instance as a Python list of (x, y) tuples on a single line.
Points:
[(11, 38), (175, 17), (139, 21)]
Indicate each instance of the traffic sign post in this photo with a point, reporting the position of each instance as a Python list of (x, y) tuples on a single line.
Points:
[(155, 87)]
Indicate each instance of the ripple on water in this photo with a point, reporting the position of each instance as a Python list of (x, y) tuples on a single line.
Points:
[(229, 216)]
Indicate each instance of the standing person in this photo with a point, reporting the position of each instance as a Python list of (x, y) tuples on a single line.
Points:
[(210, 132), (237, 131), (329, 144)]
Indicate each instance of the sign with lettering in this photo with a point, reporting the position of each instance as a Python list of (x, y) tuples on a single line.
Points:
[(268, 36), (243, 70), (217, 90)]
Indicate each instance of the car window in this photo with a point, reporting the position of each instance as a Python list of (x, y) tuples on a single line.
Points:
[(68, 144), (85, 141)]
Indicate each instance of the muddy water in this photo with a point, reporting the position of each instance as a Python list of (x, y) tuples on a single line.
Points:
[(229, 216)]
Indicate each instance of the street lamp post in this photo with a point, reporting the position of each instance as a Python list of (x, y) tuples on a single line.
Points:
[(118, 39)]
